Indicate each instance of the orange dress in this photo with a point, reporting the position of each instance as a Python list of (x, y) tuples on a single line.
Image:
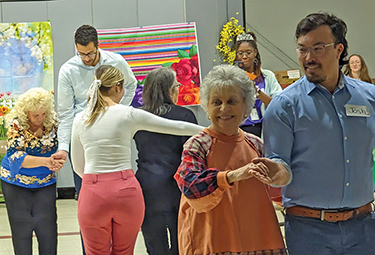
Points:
[(234, 219)]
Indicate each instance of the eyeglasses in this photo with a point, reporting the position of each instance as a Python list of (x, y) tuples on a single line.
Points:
[(247, 53), (317, 50), (178, 85), (90, 55)]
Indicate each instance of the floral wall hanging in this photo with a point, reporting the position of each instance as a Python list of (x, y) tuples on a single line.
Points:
[(149, 47), (26, 55)]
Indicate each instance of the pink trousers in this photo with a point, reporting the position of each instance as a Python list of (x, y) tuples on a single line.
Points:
[(110, 212)]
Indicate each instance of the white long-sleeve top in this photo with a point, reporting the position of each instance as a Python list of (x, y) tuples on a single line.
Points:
[(105, 146), (74, 81)]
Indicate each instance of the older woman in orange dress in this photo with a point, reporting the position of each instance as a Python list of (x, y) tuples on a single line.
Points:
[(225, 206)]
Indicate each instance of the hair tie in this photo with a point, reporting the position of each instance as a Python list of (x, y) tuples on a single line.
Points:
[(92, 95)]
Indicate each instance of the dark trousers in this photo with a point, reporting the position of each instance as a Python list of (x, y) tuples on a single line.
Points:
[(160, 233), (32, 210), (253, 129), (306, 235)]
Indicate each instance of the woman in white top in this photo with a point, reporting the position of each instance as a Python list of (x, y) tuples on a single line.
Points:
[(110, 205)]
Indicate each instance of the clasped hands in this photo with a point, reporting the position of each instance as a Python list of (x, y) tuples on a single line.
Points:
[(57, 160), (264, 169)]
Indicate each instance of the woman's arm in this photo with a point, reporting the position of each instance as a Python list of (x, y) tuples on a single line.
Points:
[(36, 161), (203, 187), (18, 158), (77, 151), (147, 121), (263, 97), (272, 87)]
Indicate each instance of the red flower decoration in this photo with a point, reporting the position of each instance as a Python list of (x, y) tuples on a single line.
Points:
[(195, 63), (188, 95), (186, 70)]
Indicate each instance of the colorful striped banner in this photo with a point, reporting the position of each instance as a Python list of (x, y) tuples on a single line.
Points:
[(150, 47)]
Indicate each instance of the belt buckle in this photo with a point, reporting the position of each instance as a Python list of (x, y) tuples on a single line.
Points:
[(322, 213)]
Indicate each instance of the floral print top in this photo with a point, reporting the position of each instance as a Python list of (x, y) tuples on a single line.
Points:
[(22, 142)]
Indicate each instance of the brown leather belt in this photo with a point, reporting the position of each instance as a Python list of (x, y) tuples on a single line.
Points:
[(329, 215)]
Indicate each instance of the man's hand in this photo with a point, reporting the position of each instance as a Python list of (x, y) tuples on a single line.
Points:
[(277, 174), (61, 154), (54, 164)]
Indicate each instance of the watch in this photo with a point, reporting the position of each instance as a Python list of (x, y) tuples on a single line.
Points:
[(257, 92)]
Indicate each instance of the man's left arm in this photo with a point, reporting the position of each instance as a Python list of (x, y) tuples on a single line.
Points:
[(130, 82), (279, 137)]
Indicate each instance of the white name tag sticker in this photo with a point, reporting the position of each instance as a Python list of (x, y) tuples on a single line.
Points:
[(357, 110), (254, 114)]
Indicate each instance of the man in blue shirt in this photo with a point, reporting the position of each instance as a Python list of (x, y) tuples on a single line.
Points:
[(322, 128)]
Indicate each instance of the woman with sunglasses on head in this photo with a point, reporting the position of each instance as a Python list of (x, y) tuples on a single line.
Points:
[(357, 68), (159, 156), (266, 84), (110, 204)]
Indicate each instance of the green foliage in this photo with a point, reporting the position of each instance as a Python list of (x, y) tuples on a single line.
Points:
[(167, 64), (193, 50), (182, 54)]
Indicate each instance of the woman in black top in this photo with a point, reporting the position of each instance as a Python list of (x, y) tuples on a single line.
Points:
[(159, 156)]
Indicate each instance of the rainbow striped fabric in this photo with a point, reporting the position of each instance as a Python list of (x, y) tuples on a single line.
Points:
[(146, 48)]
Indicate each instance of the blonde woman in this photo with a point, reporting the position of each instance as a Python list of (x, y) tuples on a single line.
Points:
[(28, 172), (110, 205)]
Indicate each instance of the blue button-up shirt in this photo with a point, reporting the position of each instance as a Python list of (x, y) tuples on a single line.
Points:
[(328, 151)]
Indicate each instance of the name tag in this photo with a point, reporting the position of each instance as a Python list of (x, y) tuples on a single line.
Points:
[(254, 114), (357, 110)]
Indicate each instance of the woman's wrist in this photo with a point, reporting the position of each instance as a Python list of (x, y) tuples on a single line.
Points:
[(230, 177)]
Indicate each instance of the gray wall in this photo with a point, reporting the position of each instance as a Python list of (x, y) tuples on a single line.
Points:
[(67, 15), (276, 21)]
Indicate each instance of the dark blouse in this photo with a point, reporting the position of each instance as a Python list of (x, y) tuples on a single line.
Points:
[(159, 156)]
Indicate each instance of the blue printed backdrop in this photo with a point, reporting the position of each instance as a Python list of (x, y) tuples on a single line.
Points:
[(25, 62), (26, 57)]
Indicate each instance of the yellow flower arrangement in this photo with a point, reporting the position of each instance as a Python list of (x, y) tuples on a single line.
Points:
[(225, 48)]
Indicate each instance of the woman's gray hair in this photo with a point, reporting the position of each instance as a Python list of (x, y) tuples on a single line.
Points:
[(224, 76), (156, 97)]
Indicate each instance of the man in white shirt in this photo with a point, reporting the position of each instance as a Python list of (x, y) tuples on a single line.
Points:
[(75, 78)]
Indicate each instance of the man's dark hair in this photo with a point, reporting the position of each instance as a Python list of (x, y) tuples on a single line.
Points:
[(86, 34), (337, 26)]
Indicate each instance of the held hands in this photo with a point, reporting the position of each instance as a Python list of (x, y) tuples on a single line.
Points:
[(264, 169), (277, 173), (54, 164), (61, 154), (57, 160), (258, 171)]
